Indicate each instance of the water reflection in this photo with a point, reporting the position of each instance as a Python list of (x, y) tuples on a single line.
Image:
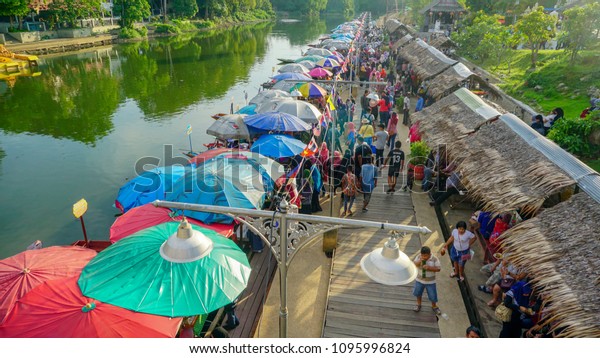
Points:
[(78, 94)]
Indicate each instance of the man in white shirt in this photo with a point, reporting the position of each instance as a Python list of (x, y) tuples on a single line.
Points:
[(428, 265), (406, 109)]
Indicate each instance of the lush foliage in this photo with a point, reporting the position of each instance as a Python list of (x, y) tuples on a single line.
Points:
[(578, 25), (184, 9), (210, 9), (536, 27), (70, 11), (341, 6), (14, 7), (166, 29), (418, 153), (131, 11), (573, 134), (133, 33), (309, 7)]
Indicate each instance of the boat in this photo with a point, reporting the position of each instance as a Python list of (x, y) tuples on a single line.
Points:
[(13, 62), (284, 60), (218, 115)]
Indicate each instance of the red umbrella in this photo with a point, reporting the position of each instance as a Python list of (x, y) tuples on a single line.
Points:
[(22, 272), (58, 309), (148, 215), (319, 72)]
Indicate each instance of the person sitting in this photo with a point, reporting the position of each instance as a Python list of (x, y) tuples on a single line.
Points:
[(502, 224), (453, 186), (537, 123)]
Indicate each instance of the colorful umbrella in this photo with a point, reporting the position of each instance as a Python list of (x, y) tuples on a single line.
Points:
[(278, 146), (319, 72), (301, 109), (328, 63), (267, 96), (22, 272), (291, 76), (209, 154), (58, 309), (277, 121), (148, 187), (168, 271), (308, 64), (317, 51), (293, 67), (230, 126), (313, 58), (248, 110), (286, 85), (148, 215), (226, 182), (311, 90)]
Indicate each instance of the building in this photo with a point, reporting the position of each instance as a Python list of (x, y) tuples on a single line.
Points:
[(441, 15)]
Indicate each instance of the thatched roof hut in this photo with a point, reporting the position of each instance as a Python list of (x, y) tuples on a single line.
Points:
[(394, 25), (559, 250), (401, 42), (428, 61), (442, 41), (452, 78), (498, 167)]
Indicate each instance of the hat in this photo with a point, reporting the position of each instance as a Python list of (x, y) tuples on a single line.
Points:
[(364, 121)]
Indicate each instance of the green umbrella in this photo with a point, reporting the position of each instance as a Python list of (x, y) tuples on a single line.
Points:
[(313, 58), (170, 270)]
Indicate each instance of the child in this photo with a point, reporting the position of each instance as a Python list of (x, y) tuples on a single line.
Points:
[(349, 190), (428, 265)]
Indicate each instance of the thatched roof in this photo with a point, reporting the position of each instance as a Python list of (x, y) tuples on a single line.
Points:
[(401, 42), (393, 25), (440, 41), (559, 250), (443, 6), (448, 80), (498, 167), (427, 60)]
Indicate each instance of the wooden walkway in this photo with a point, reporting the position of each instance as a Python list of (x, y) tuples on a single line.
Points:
[(360, 307)]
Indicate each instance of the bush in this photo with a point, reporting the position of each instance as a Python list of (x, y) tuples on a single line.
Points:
[(131, 33), (184, 25), (143, 31), (418, 153), (204, 24), (573, 134), (166, 29)]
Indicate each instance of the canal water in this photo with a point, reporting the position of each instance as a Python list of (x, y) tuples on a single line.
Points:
[(78, 130)]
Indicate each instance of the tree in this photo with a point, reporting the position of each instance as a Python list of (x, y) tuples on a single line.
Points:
[(579, 24), (16, 8), (536, 27), (499, 44), (70, 11), (131, 11), (471, 38), (185, 8)]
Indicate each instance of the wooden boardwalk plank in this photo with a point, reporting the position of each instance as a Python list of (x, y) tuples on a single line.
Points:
[(360, 307)]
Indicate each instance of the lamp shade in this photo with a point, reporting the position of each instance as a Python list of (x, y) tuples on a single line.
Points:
[(389, 265)]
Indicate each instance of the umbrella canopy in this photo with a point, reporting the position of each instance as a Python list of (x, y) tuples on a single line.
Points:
[(373, 96), (313, 58), (293, 67), (308, 64), (148, 187), (291, 76), (168, 271), (311, 90), (268, 95), (278, 146), (230, 182), (336, 57), (148, 215), (22, 272), (286, 85), (248, 110), (58, 309), (338, 45), (317, 51), (301, 109), (328, 63), (277, 121), (209, 154), (230, 126), (319, 72)]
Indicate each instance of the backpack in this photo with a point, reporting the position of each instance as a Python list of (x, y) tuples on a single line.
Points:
[(503, 313)]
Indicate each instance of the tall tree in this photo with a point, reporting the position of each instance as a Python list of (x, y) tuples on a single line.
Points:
[(536, 27), (131, 11), (70, 11), (581, 26), (16, 8), (184, 8)]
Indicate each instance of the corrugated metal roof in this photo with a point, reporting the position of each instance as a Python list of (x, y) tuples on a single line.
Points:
[(476, 104), (587, 178)]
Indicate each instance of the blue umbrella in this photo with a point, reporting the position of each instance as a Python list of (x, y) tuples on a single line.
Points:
[(148, 186), (278, 146), (222, 181), (292, 76), (249, 110), (277, 121)]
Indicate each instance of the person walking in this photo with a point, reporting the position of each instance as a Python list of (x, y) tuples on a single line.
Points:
[(381, 137), (392, 129), (349, 190), (460, 252), (406, 109), (364, 104), (368, 179), (396, 160), (428, 265)]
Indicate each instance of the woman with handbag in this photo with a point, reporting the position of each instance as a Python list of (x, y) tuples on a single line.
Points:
[(460, 252)]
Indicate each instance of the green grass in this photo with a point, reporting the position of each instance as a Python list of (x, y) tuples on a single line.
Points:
[(553, 68), (594, 164)]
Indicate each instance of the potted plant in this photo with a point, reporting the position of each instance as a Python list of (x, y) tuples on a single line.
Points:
[(418, 156)]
